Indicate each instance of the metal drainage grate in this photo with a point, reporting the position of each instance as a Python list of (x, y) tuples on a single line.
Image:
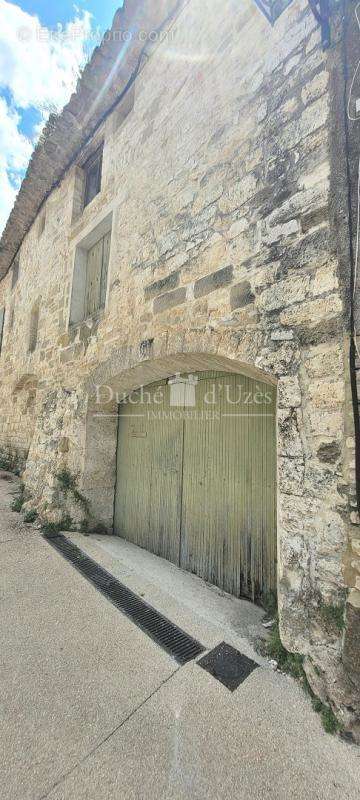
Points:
[(228, 665), (175, 641)]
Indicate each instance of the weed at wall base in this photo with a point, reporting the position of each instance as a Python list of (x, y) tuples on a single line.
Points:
[(17, 504), (54, 528), (292, 664), (5, 463), (30, 515), (19, 500), (66, 480), (333, 615), (68, 484), (328, 719)]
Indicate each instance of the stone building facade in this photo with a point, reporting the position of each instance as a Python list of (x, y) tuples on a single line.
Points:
[(225, 188)]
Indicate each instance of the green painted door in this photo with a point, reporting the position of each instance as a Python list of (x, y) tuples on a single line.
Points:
[(149, 464), (228, 531), (196, 479)]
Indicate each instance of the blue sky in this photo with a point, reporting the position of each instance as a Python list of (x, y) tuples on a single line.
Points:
[(43, 46), (50, 14)]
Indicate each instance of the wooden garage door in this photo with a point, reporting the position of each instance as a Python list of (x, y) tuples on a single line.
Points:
[(196, 478)]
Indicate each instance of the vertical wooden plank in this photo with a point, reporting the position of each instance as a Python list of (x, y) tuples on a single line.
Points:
[(206, 510), (93, 278), (148, 488), (104, 269), (90, 281), (133, 479), (165, 476)]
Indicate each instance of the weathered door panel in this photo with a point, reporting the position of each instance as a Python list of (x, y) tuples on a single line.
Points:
[(149, 464), (228, 510), (133, 479), (165, 486), (199, 488)]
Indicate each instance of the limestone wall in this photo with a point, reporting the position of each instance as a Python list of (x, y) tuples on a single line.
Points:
[(225, 243)]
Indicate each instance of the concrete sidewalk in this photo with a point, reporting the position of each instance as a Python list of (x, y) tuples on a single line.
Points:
[(91, 708)]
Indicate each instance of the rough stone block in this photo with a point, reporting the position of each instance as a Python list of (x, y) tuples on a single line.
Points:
[(163, 285), (325, 280), (241, 295), (324, 360), (284, 294), (237, 228), (326, 394), (315, 88), (289, 433), (329, 452), (278, 232), (352, 642), (289, 393), (169, 300), (326, 423), (216, 280), (312, 310), (291, 475)]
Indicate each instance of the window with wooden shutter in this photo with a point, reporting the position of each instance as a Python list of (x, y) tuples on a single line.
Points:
[(12, 317), (92, 170), (41, 224), (15, 272), (34, 326), (2, 318), (90, 274), (96, 275)]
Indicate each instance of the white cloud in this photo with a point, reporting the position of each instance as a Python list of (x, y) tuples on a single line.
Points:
[(12, 142), (7, 195), (38, 69), (39, 66), (15, 151)]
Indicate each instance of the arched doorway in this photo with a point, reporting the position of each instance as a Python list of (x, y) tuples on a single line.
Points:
[(196, 476)]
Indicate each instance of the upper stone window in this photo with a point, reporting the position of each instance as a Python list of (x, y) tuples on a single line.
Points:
[(15, 272), (91, 273), (34, 327), (92, 170), (124, 108), (2, 317), (96, 275), (11, 317), (41, 223)]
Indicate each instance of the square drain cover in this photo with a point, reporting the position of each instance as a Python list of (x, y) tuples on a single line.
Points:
[(228, 665)]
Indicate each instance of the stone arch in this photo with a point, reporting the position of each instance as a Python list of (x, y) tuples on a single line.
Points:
[(156, 359), (111, 383)]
